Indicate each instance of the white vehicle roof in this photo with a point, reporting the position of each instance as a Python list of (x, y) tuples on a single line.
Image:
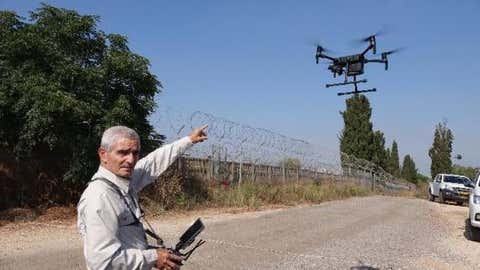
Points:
[(449, 174)]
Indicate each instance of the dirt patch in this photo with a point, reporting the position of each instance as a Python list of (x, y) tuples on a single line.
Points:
[(456, 240), (438, 264), (58, 215), (52, 215), (18, 215)]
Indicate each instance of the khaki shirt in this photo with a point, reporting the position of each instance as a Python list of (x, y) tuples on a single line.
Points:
[(111, 238)]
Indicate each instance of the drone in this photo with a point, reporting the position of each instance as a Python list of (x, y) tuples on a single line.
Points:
[(353, 65)]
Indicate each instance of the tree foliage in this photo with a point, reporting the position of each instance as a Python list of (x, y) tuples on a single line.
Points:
[(409, 170), (422, 178), (393, 166), (358, 138), (379, 153), (62, 82), (469, 172), (441, 150), (357, 135)]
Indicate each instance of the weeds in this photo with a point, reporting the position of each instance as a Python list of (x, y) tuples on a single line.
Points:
[(255, 195)]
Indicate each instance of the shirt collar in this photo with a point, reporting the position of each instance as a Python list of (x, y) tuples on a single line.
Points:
[(122, 183)]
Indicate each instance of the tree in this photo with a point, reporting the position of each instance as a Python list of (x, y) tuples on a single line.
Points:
[(422, 178), (462, 170), (388, 156), (409, 171), (357, 135), (394, 160), (62, 82), (379, 154), (441, 150)]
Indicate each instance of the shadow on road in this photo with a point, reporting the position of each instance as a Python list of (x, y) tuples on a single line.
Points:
[(363, 266)]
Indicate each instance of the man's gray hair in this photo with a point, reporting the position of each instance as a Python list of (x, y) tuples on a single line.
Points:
[(113, 134)]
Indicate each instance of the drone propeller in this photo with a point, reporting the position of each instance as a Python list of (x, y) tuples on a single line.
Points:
[(371, 39), (385, 54), (392, 51), (379, 33), (385, 29), (320, 51)]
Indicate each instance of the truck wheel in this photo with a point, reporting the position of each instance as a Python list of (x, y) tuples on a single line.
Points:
[(430, 196), (473, 232), (440, 197)]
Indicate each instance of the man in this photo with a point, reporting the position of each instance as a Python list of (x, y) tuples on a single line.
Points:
[(108, 211)]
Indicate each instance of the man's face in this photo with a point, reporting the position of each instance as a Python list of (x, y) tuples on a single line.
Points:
[(121, 159)]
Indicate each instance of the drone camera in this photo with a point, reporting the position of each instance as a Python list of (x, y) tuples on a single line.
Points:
[(355, 69)]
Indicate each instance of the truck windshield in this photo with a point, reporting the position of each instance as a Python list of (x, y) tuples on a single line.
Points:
[(455, 179)]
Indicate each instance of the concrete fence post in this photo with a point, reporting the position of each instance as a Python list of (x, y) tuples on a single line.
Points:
[(373, 180), (240, 168), (254, 176)]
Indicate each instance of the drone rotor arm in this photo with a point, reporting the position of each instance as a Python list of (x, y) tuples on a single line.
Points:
[(375, 60), (327, 57), (367, 49), (319, 55)]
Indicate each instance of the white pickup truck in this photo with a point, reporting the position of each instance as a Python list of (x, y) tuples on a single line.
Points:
[(450, 187), (474, 210)]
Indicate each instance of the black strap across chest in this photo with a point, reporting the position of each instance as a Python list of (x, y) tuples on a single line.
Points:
[(150, 231), (119, 192)]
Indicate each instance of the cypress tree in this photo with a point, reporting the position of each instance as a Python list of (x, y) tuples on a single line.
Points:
[(357, 135), (379, 154), (387, 158), (409, 171), (394, 162), (441, 150)]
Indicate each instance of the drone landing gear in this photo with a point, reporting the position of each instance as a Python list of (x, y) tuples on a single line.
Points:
[(357, 92), (355, 83), (345, 83)]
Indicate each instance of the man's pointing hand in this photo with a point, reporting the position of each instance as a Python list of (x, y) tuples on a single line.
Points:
[(199, 134)]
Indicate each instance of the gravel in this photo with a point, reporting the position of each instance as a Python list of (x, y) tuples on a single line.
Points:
[(378, 232)]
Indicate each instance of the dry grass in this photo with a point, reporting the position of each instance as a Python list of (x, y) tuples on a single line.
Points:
[(254, 196)]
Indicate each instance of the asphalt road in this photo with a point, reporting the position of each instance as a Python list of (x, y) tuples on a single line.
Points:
[(360, 233)]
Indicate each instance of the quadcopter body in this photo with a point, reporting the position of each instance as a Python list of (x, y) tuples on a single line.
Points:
[(353, 65)]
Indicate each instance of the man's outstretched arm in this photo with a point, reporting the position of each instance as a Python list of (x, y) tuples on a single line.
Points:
[(154, 164)]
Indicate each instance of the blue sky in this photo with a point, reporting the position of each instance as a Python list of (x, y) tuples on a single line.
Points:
[(252, 62)]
